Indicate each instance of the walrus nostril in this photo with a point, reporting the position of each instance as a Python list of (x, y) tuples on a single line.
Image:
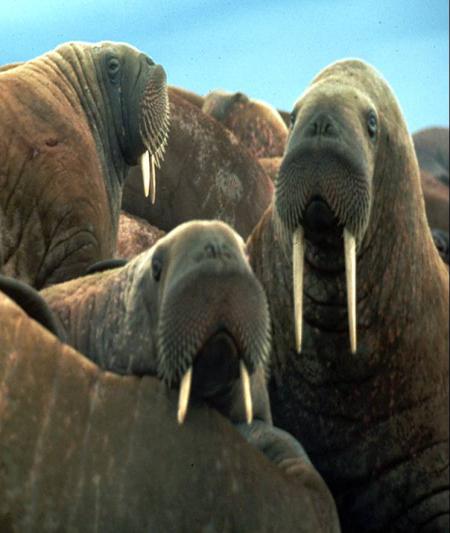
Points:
[(318, 216), (322, 125)]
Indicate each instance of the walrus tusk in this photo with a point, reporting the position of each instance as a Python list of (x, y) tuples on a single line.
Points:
[(247, 393), (152, 179), (298, 253), (350, 271), (183, 398), (145, 170)]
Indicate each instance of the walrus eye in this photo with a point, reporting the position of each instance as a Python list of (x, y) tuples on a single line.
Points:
[(113, 67), (156, 268), (372, 124)]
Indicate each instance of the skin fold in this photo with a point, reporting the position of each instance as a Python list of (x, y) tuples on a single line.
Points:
[(73, 121), (84, 449), (374, 422)]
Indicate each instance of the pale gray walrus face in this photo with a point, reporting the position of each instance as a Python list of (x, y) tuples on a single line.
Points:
[(324, 190), (213, 316), (190, 311)]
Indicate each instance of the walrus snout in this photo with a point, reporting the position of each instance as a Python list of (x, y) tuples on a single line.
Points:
[(322, 124)]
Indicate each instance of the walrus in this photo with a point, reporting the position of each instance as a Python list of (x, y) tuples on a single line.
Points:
[(205, 174), (360, 350), (82, 449), (257, 125), (135, 235), (74, 120), (436, 196), (189, 311), (432, 149)]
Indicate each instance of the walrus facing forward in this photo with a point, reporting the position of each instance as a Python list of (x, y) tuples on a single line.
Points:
[(360, 376), (189, 309), (72, 122)]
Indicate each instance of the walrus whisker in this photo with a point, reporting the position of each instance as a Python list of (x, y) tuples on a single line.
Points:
[(183, 398), (145, 170), (298, 253), (245, 379), (350, 272)]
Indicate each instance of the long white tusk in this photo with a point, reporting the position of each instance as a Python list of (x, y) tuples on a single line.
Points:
[(145, 170), (298, 254), (245, 379), (152, 179), (183, 398), (350, 271)]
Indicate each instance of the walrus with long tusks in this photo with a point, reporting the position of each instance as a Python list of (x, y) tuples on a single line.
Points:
[(359, 303), (82, 449), (72, 123), (189, 311), (206, 174)]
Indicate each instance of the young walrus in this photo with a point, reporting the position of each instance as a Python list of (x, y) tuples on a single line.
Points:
[(360, 375)]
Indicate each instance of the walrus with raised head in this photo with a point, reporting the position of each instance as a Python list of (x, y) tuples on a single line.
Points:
[(205, 174), (72, 122), (83, 449), (359, 306)]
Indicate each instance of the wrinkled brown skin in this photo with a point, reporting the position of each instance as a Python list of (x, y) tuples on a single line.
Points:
[(62, 164), (432, 149), (86, 450), (256, 124), (135, 235), (375, 424), (436, 196), (206, 174)]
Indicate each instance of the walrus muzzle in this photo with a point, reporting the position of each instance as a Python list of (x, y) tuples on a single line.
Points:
[(321, 190), (214, 330), (154, 127)]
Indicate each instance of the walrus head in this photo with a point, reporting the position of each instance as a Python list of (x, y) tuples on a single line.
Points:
[(212, 321), (134, 90), (340, 138)]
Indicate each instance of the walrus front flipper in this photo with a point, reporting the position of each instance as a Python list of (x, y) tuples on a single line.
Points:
[(107, 264), (273, 442), (288, 454), (33, 304)]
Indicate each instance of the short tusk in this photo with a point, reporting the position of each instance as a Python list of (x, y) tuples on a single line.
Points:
[(298, 253), (145, 170), (183, 398), (245, 379), (350, 271)]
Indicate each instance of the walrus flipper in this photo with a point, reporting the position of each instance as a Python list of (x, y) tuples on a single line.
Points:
[(33, 304), (288, 454)]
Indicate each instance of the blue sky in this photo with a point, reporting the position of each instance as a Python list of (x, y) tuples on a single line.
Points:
[(268, 49)]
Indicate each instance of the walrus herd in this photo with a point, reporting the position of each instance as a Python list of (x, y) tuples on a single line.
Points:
[(257, 342)]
